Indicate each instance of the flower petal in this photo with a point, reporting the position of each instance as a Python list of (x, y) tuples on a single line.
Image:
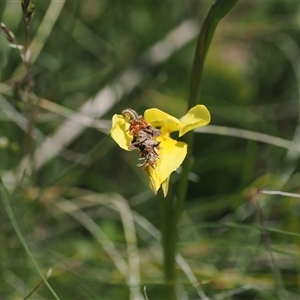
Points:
[(119, 132), (154, 182), (172, 154), (197, 116), (158, 118), (165, 186)]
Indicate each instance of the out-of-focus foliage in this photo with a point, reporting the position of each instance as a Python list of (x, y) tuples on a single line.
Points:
[(84, 207)]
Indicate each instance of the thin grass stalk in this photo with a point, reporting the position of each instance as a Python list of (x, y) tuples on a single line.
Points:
[(28, 8), (5, 197), (173, 207)]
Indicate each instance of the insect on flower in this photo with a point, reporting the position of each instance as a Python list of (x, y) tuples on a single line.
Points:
[(160, 153), (149, 155), (143, 138)]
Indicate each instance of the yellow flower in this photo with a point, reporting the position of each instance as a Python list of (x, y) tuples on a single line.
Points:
[(170, 153)]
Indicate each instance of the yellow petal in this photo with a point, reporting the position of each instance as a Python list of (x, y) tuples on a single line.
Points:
[(172, 154), (153, 180), (158, 118), (165, 186), (197, 116), (119, 132)]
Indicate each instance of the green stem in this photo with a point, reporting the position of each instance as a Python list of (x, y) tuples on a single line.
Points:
[(169, 235), (172, 207)]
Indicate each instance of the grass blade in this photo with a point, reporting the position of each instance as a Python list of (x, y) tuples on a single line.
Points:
[(5, 197)]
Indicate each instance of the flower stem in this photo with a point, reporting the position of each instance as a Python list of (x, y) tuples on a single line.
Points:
[(172, 206), (169, 235)]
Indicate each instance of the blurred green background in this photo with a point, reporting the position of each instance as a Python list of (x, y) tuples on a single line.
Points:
[(86, 210)]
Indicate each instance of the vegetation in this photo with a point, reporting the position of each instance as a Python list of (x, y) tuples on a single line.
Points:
[(78, 219)]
